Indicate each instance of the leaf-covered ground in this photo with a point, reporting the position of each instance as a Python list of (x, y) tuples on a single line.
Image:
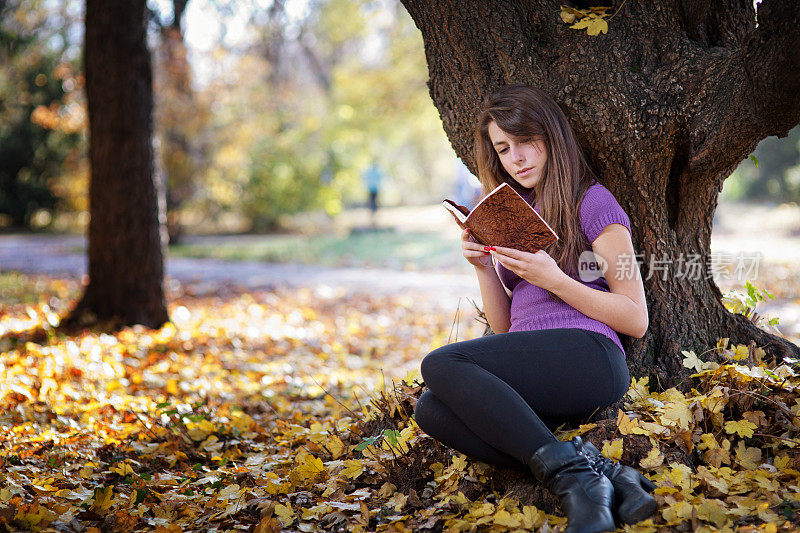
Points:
[(266, 412)]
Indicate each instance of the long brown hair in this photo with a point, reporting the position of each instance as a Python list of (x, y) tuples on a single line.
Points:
[(525, 112)]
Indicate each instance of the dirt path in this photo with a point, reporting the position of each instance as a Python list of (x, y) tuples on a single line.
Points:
[(772, 231), (54, 255)]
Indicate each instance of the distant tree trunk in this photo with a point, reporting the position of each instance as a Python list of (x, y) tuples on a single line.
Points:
[(666, 104), (126, 264), (178, 120)]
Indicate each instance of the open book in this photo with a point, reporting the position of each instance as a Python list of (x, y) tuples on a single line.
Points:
[(504, 218)]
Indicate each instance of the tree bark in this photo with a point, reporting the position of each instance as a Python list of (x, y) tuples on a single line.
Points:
[(126, 264), (666, 104)]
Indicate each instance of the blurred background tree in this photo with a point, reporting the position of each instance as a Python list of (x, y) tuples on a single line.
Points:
[(179, 116), (42, 115), (313, 97)]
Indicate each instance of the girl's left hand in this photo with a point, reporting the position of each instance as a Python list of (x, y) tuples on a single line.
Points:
[(537, 269)]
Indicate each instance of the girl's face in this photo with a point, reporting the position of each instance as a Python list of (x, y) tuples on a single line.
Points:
[(523, 159)]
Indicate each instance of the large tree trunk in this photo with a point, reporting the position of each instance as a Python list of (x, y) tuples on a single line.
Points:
[(126, 264), (666, 104)]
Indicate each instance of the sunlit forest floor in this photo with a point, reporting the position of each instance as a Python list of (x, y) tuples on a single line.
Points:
[(290, 410), (277, 411)]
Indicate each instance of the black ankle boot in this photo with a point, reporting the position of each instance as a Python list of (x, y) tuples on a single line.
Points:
[(585, 494), (632, 503)]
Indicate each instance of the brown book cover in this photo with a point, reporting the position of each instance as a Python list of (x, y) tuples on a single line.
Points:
[(504, 218)]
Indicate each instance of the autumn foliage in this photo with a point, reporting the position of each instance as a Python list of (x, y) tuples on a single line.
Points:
[(265, 411)]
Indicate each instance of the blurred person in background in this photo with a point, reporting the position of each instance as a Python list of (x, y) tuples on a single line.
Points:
[(372, 178)]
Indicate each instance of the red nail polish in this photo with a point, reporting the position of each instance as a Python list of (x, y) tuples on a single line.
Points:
[(492, 248)]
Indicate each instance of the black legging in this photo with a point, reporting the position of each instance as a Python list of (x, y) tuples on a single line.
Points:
[(493, 398)]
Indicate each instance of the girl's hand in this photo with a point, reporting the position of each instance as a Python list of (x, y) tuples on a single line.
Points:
[(537, 269), (474, 252)]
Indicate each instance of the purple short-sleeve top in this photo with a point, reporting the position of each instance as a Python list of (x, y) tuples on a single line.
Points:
[(532, 307)]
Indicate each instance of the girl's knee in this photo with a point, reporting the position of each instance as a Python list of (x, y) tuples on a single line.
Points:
[(425, 411), (435, 364), (422, 407)]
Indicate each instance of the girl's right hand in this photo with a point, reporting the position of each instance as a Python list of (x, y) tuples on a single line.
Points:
[(474, 252)]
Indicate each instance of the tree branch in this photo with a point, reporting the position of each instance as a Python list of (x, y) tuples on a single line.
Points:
[(758, 82)]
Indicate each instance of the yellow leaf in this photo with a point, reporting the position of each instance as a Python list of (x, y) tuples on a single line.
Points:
[(504, 518), (653, 428), (172, 387), (681, 476), (276, 485), (318, 433), (241, 421), (575, 11), (29, 520), (198, 431), (712, 511), (612, 450), (714, 401), (782, 462), (386, 490), (229, 492), (691, 361), (597, 26), (567, 435), (532, 517), (285, 513), (567, 16), (335, 446), (712, 478), (677, 512), (581, 24), (103, 498), (397, 501), (707, 442), (743, 428), (654, 459), (749, 458), (459, 462), (123, 469), (676, 413), (87, 469), (628, 426), (308, 466), (353, 468), (719, 454), (638, 390), (481, 509), (740, 352), (316, 512), (593, 25), (770, 517), (460, 499)]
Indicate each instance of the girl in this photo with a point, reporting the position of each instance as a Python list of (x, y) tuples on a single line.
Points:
[(555, 355)]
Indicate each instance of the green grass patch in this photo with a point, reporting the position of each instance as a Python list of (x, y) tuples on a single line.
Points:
[(389, 249), (31, 289)]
